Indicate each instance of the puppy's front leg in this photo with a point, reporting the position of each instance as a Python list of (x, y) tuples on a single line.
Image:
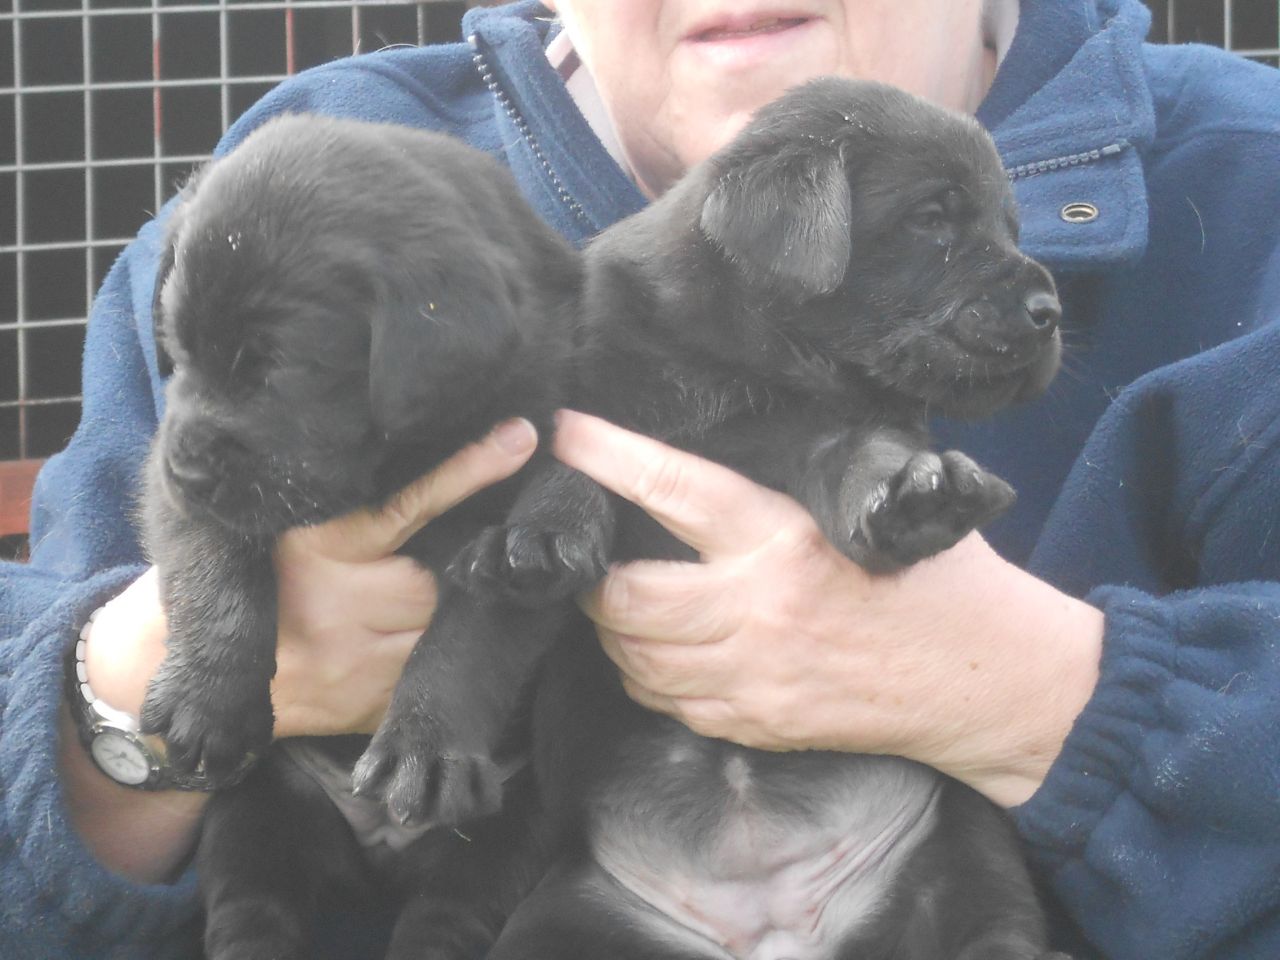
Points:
[(211, 698), (434, 755), (887, 501), (557, 541)]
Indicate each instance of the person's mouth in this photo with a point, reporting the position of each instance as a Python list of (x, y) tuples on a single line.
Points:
[(742, 28)]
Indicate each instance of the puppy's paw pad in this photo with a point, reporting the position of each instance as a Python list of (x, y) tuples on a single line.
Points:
[(209, 722), (421, 785), (527, 564), (976, 495), (930, 504)]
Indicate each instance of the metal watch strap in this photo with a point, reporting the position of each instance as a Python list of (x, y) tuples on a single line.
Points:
[(94, 718)]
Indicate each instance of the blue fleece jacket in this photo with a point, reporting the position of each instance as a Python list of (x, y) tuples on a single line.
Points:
[(1149, 475)]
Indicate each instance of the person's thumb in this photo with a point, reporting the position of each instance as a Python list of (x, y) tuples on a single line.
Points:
[(371, 534)]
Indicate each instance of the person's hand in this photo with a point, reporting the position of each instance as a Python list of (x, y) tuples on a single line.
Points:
[(777, 641), (349, 613), (350, 609)]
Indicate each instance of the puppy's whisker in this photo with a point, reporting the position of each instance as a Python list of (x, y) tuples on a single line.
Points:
[(1068, 369)]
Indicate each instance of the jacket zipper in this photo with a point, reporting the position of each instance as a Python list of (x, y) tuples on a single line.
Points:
[(491, 81), (1070, 160), (1022, 171)]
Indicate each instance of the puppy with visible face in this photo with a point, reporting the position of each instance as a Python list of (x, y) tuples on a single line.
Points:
[(795, 308), (333, 295)]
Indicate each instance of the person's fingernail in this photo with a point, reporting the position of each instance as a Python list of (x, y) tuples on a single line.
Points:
[(515, 436)]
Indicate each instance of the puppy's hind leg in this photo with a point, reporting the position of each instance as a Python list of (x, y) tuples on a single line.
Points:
[(966, 893), (266, 847), (470, 880)]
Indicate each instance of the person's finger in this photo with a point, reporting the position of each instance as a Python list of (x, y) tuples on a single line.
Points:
[(705, 504), (642, 695), (669, 669), (667, 601), (708, 716), (369, 534)]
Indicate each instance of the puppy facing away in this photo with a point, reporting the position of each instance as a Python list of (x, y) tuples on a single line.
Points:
[(343, 305), (794, 308)]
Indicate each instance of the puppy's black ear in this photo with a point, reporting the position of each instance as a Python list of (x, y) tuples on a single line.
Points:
[(164, 362), (784, 217), (436, 355)]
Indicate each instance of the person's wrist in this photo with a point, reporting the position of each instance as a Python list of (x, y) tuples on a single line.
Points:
[(1053, 670), (146, 835), (126, 644), (1071, 676)]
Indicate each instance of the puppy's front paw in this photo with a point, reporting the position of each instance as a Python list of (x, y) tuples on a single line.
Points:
[(421, 783), (929, 505), (210, 720), (530, 565)]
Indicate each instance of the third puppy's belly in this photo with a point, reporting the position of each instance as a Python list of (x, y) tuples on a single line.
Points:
[(760, 856)]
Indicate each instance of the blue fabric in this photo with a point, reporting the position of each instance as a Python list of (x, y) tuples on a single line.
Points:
[(1149, 475)]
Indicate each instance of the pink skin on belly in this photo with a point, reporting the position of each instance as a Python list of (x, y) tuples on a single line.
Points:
[(765, 889)]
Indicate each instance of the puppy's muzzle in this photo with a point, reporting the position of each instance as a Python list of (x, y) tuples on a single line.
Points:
[(1013, 320), (202, 466)]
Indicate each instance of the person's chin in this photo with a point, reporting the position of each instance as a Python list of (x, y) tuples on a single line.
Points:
[(717, 115), (731, 79)]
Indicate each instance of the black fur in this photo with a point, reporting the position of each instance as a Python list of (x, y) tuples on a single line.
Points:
[(333, 295), (795, 308)]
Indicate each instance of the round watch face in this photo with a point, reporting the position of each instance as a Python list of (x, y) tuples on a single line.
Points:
[(120, 758)]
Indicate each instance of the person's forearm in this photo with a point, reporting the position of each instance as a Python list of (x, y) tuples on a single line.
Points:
[(1040, 671), (143, 835), (1071, 676)]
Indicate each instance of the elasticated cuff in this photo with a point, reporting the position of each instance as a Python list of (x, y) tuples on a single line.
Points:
[(1104, 748), (49, 877)]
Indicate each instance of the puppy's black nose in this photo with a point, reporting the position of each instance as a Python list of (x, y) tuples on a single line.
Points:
[(1044, 311)]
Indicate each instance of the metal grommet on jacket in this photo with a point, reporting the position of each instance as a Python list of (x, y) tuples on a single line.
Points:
[(1079, 211)]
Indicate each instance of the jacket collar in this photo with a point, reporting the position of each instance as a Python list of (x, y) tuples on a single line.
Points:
[(1077, 138), (1081, 135), (566, 171)]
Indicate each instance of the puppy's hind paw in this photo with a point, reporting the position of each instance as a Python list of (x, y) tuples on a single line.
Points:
[(420, 785), (529, 566), (929, 505)]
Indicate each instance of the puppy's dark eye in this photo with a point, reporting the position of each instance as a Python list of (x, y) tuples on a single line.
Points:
[(248, 362), (929, 216)]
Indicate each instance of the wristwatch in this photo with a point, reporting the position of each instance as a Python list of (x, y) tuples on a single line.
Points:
[(116, 743)]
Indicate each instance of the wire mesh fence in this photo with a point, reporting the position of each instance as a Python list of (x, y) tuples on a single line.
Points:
[(112, 102)]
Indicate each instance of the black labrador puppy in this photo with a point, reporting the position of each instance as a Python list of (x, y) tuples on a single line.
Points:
[(342, 305), (793, 308)]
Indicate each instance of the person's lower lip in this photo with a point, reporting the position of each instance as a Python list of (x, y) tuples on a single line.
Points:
[(732, 47)]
